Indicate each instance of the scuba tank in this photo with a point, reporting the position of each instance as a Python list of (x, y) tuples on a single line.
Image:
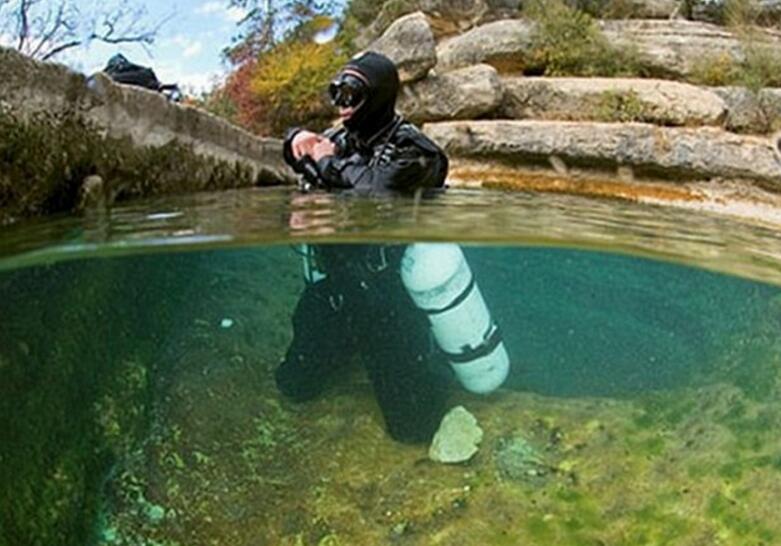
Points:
[(312, 274), (440, 282)]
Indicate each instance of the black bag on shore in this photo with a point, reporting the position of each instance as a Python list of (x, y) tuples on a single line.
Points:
[(121, 70)]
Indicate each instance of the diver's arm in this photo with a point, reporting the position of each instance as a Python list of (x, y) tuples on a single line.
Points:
[(399, 168), (287, 148), (298, 144)]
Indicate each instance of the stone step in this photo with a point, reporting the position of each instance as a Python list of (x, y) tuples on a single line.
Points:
[(673, 49), (660, 102), (479, 92), (448, 18), (656, 152)]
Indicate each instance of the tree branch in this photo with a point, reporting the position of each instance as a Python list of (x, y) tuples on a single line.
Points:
[(47, 28), (23, 15), (60, 48)]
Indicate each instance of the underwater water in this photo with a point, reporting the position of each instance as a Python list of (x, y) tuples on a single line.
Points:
[(138, 401)]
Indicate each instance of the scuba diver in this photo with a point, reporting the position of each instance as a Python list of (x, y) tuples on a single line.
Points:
[(354, 302), (376, 150)]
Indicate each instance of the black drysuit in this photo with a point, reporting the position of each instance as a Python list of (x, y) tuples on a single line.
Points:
[(361, 307)]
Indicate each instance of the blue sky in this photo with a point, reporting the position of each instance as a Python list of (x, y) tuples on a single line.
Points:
[(188, 47)]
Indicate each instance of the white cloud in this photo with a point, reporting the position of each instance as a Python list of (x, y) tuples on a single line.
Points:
[(233, 14), (6, 40), (185, 46), (192, 50), (193, 82), (208, 8)]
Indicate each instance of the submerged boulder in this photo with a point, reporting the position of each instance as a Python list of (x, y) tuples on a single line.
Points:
[(457, 439), (466, 93)]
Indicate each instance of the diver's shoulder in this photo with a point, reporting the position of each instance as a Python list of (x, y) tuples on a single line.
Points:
[(409, 132)]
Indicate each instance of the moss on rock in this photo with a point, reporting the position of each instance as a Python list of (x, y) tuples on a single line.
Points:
[(44, 161)]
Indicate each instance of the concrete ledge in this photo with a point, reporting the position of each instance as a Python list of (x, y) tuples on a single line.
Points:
[(29, 87)]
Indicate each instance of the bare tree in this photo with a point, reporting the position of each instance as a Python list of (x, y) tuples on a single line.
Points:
[(44, 29)]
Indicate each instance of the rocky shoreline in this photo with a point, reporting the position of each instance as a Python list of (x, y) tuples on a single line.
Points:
[(662, 128), (473, 78)]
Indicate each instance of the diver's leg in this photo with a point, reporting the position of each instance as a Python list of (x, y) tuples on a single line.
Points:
[(406, 372), (314, 353)]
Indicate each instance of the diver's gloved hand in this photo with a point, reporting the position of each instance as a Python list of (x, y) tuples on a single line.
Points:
[(323, 148), (304, 142), (310, 175)]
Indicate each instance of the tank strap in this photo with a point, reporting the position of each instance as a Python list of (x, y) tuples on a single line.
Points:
[(491, 340), (457, 301), (381, 263)]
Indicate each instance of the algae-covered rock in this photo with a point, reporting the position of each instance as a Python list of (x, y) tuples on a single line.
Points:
[(516, 459), (457, 439)]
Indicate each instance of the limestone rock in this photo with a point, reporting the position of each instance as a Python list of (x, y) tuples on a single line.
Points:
[(745, 112), (580, 99), (452, 16), (457, 439), (676, 48), (701, 153), (502, 44), (669, 48), (639, 9), (466, 93), (655, 9), (713, 11), (446, 17), (771, 104), (751, 112), (410, 44)]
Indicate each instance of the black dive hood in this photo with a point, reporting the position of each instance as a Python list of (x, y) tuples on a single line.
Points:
[(379, 109)]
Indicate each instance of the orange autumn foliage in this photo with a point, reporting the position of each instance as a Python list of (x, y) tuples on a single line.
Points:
[(286, 85)]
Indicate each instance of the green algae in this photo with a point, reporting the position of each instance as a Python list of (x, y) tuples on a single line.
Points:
[(73, 405), (665, 409)]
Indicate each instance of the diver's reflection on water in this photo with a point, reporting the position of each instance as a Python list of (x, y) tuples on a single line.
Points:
[(312, 213)]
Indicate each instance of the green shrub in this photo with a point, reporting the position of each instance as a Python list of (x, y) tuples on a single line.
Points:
[(761, 64), (760, 68), (568, 42), (716, 69), (614, 106), (367, 11), (605, 9)]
